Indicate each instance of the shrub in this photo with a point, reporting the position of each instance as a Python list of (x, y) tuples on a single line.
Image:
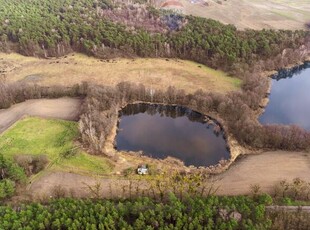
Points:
[(10, 174), (32, 164)]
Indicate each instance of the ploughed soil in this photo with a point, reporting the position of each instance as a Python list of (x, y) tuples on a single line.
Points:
[(265, 169), (253, 14), (62, 108)]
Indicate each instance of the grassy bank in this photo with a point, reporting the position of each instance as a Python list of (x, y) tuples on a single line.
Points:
[(55, 139)]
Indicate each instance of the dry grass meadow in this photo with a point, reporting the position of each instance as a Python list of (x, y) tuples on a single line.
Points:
[(156, 73)]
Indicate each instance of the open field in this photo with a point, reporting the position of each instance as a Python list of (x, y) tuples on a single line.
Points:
[(156, 73), (55, 139), (265, 169), (254, 14)]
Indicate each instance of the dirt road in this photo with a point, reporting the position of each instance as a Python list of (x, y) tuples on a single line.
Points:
[(77, 185), (289, 208), (62, 108), (265, 169)]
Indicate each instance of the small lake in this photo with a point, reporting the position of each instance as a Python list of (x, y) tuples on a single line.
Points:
[(290, 98), (161, 131)]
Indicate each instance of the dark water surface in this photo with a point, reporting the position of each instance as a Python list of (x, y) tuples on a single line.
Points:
[(160, 131), (290, 98)]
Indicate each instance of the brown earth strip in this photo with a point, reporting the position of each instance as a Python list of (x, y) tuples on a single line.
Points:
[(264, 169), (288, 208), (62, 108), (253, 14)]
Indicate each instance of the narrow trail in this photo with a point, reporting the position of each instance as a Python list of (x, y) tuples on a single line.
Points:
[(288, 208), (61, 108)]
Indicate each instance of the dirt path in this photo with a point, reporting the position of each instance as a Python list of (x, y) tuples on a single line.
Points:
[(265, 169), (62, 108), (288, 208), (78, 185)]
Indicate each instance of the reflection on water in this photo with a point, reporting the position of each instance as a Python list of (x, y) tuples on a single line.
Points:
[(290, 98), (160, 131)]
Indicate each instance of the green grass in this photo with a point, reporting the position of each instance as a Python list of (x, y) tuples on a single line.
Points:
[(287, 201), (54, 138), (84, 163)]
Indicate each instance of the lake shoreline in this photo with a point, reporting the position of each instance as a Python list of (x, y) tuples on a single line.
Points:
[(269, 74), (235, 149)]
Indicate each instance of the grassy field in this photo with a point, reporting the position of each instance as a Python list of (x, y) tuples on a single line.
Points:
[(156, 73), (55, 139)]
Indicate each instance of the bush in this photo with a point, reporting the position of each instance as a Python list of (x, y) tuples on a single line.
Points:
[(10, 174), (32, 164), (287, 201), (297, 189), (59, 192), (265, 199), (7, 188)]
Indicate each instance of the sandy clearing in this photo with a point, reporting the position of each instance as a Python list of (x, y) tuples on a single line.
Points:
[(62, 108), (265, 169)]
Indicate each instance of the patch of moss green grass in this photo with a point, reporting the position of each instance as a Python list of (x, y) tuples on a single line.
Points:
[(55, 139)]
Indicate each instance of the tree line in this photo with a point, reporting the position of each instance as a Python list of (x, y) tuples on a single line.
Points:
[(12, 93), (105, 29), (194, 212), (142, 213)]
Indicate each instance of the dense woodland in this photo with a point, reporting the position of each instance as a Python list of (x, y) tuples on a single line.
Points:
[(143, 213), (98, 27)]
